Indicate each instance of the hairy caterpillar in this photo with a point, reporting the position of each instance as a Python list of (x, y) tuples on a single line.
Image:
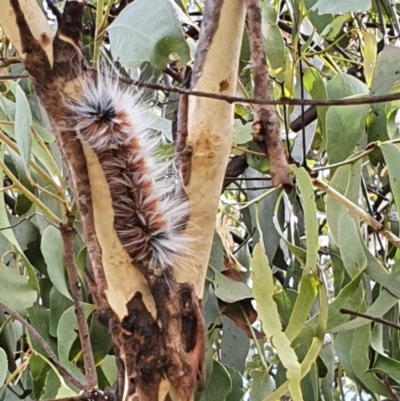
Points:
[(150, 215)]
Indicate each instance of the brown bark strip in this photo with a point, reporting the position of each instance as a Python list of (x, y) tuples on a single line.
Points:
[(170, 346), (266, 125), (50, 354), (183, 153), (149, 348), (67, 234), (180, 314), (50, 81), (6, 62), (211, 17)]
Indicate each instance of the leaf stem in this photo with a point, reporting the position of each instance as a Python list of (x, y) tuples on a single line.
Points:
[(37, 337), (254, 337), (19, 186), (11, 144), (357, 211), (50, 158), (67, 234)]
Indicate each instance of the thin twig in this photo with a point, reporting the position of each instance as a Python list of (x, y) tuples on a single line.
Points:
[(23, 219), (8, 77), (384, 379), (237, 99), (350, 160), (370, 210), (393, 12), (13, 145), (372, 318), (381, 19), (355, 210), (7, 61), (75, 287), (50, 354)]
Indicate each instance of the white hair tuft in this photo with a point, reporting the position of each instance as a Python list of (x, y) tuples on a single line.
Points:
[(150, 214)]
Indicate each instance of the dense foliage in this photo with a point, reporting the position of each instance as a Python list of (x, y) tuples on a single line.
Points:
[(302, 256)]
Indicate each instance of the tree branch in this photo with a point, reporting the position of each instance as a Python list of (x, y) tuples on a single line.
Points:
[(372, 318), (7, 61), (37, 337), (237, 99), (355, 210), (266, 127), (67, 235)]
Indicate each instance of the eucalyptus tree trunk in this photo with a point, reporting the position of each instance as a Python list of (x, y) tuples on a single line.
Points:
[(155, 322)]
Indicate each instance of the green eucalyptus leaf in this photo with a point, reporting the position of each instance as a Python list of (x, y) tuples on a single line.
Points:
[(263, 289), (351, 249), (344, 85), (310, 212), (229, 290), (381, 305), (67, 330), (359, 357), (3, 366), (234, 345), (23, 123), (346, 181), (53, 252), (384, 77), (237, 391), (341, 6), (58, 305), (391, 153), (345, 126), (262, 384), (274, 43), (148, 30), (242, 132), (219, 386), (39, 319), (316, 87), (109, 367), (15, 290)]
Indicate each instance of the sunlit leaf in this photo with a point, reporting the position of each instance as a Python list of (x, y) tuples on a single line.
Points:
[(268, 313)]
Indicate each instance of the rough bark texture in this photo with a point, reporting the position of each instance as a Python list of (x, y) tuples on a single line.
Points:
[(155, 322), (266, 127)]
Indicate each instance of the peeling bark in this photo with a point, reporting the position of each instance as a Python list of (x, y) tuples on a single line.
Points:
[(155, 322), (266, 127)]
